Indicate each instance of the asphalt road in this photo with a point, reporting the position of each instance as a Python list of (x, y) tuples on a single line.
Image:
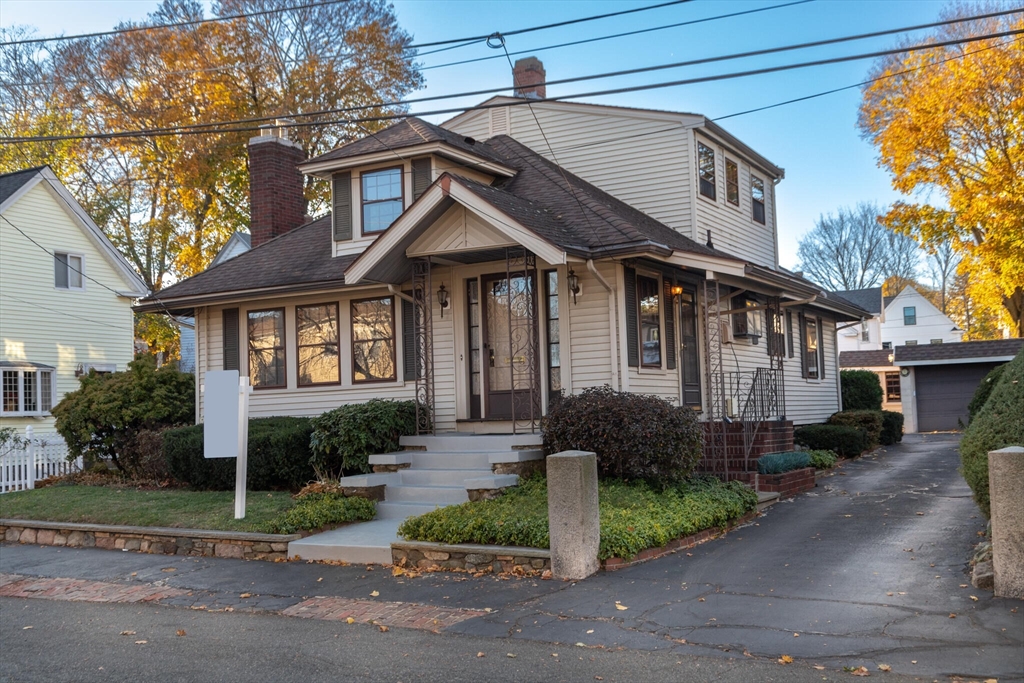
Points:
[(865, 570)]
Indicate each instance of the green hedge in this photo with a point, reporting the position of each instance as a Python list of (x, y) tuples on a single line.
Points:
[(984, 390), (868, 420), (778, 463), (861, 390), (822, 460), (344, 438), (636, 437), (633, 515), (318, 510), (892, 428), (997, 425), (279, 456), (849, 442)]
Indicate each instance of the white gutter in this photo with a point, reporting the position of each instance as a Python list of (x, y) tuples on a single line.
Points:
[(400, 294), (611, 322)]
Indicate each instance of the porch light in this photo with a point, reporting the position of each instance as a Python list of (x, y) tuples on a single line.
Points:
[(574, 284), (442, 298), (677, 290)]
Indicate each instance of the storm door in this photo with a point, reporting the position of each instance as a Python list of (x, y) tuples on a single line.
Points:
[(510, 364)]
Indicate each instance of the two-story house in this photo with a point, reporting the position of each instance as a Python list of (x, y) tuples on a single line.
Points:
[(907, 319), (65, 298), (522, 249)]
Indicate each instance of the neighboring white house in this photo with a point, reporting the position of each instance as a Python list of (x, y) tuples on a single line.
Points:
[(910, 319), (65, 298)]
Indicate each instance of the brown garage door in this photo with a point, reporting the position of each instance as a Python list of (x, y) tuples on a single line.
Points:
[(943, 392)]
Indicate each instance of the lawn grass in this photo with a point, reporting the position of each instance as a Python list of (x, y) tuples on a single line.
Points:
[(176, 508)]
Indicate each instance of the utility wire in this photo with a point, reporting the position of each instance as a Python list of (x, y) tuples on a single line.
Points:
[(200, 128), (177, 24), (70, 315), (490, 91)]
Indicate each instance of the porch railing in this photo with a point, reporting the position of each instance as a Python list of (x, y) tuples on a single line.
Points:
[(758, 396)]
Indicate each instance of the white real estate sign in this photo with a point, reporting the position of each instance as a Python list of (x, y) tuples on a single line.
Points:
[(226, 425)]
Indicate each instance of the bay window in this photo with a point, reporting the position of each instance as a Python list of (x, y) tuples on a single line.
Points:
[(26, 388)]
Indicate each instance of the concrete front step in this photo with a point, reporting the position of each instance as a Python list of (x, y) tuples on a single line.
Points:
[(448, 443), (401, 511), (434, 495), (439, 477), (365, 542)]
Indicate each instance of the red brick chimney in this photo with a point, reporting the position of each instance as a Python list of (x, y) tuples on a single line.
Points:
[(276, 201), (527, 76)]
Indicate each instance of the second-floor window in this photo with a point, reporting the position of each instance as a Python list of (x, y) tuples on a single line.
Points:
[(67, 270), (886, 345), (732, 182), (865, 334), (910, 315), (757, 198), (381, 199), (706, 170)]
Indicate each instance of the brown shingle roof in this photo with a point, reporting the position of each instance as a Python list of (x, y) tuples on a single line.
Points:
[(923, 353), (300, 257), (864, 359)]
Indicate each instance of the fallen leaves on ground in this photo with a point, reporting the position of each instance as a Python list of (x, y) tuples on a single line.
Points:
[(796, 635), (25, 628), (974, 598), (510, 655), (383, 628), (374, 594), (127, 633), (245, 595), (819, 667), (480, 654), (350, 620), (884, 667), (180, 632), (620, 606), (952, 615), (141, 642), (785, 659), (590, 631), (168, 569), (857, 671)]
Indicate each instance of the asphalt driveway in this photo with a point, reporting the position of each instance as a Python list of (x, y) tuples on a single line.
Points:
[(868, 569)]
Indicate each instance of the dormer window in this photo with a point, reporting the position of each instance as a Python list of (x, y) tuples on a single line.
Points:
[(382, 200), (757, 198), (706, 170)]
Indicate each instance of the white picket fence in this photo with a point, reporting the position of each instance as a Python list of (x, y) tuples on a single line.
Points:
[(41, 456)]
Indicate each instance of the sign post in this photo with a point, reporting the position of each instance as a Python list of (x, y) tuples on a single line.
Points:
[(226, 425)]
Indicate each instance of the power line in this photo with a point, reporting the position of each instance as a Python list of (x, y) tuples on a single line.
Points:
[(178, 24), (201, 128), (174, 130), (618, 35), (70, 315)]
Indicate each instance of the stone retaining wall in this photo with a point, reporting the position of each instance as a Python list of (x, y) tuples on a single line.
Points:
[(672, 546), (154, 540), (439, 556)]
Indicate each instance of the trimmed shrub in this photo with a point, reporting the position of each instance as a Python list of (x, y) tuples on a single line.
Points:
[(862, 390), (142, 454), (318, 510), (822, 460), (778, 463), (892, 428), (868, 420), (279, 456), (635, 437), (344, 438), (633, 515), (100, 417), (997, 425), (983, 391), (849, 442)]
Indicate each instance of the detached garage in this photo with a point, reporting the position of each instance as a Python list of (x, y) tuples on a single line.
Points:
[(937, 381)]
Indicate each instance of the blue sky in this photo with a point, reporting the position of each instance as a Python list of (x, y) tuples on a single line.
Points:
[(827, 164)]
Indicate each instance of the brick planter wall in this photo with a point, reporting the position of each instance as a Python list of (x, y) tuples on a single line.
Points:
[(773, 437), (786, 484), (439, 556), (155, 540)]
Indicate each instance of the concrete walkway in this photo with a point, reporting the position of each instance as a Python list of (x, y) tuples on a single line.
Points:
[(865, 570)]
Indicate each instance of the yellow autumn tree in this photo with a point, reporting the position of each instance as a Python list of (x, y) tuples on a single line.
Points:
[(948, 123)]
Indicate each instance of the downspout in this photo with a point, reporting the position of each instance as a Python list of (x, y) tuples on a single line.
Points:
[(400, 294), (612, 325)]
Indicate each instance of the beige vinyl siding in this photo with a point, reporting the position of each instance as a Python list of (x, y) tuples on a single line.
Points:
[(58, 327), (643, 161), (588, 351), (314, 400), (733, 228)]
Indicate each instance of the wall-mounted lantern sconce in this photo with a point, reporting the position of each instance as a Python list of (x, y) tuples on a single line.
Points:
[(677, 290), (574, 284), (442, 298)]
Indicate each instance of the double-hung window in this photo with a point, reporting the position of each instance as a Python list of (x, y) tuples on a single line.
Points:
[(373, 340), (732, 182), (266, 349), (316, 334), (910, 315), (706, 170), (757, 198), (26, 388), (381, 199), (68, 270), (812, 341), (647, 293), (892, 386)]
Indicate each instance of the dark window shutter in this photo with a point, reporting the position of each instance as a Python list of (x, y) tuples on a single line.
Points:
[(803, 345), (420, 176), (668, 301), (821, 350), (632, 321), (408, 341), (342, 209), (230, 332), (789, 332)]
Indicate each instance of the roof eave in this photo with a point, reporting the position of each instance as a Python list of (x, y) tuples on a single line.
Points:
[(323, 168)]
